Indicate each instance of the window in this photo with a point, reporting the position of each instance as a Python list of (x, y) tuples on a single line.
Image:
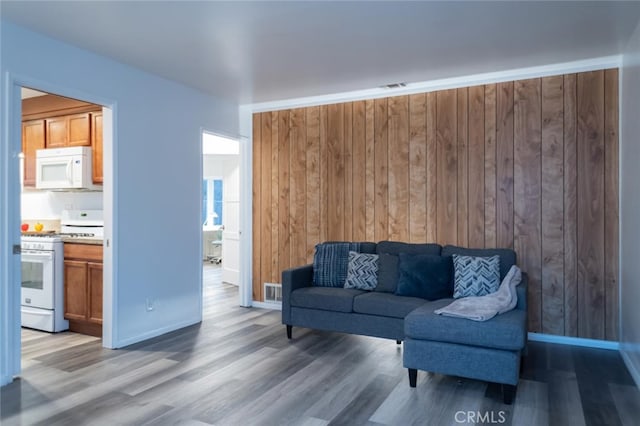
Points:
[(212, 202)]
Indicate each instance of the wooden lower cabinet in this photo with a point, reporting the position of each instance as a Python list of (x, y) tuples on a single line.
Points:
[(94, 272), (83, 288)]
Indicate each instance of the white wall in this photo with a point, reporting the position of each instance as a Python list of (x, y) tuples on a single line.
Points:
[(228, 168), (157, 163), (49, 204), (630, 205)]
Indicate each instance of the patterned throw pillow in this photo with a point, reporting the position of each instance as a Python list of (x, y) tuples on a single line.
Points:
[(362, 271), (330, 263), (475, 276)]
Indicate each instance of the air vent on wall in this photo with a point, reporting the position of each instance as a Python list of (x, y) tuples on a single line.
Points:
[(272, 293), (394, 86)]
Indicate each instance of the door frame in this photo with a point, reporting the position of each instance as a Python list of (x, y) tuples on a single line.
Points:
[(244, 231), (10, 216)]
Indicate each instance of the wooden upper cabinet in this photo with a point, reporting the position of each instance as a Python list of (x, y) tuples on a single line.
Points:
[(56, 132), (79, 130), (96, 144), (69, 130), (33, 138)]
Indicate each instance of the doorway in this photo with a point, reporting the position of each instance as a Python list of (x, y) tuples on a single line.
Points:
[(221, 209), (39, 212)]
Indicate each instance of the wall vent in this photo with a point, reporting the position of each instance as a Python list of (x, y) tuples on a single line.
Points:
[(272, 292), (394, 85)]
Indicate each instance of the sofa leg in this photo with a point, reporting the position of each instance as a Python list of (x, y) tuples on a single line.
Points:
[(508, 392), (289, 328), (413, 377), (398, 342)]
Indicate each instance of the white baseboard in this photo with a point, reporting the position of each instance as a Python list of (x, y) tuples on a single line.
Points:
[(267, 305), (633, 369), (155, 333), (574, 341)]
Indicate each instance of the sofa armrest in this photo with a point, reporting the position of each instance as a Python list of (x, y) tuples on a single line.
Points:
[(521, 290), (292, 279)]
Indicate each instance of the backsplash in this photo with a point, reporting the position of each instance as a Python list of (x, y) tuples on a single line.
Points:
[(48, 205)]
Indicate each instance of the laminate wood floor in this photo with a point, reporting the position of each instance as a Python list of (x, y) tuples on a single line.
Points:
[(238, 368)]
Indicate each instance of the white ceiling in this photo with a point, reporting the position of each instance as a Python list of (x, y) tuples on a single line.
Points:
[(251, 52)]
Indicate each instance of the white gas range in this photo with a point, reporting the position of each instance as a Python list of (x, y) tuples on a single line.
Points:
[(42, 296)]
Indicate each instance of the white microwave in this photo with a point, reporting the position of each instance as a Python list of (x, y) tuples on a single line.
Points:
[(64, 169)]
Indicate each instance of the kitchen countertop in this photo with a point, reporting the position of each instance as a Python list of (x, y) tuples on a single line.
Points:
[(90, 241)]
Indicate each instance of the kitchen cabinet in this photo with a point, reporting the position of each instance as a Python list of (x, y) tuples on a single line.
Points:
[(69, 130), (83, 288), (96, 144), (33, 138)]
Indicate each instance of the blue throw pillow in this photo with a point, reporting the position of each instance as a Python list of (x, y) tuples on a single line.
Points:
[(424, 275), (476, 276), (362, 272), (330, 263)]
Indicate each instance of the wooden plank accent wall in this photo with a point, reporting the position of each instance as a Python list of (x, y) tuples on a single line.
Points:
[(529, 164)]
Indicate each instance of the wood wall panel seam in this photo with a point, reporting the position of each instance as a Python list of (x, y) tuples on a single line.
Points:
[(570, 208), (590, 204), (504, 165), (446, 137), (381, 170), (527, 139), (348, 171), (552, 205), (490, 166), (256, 206), (370, 189), (476, 169), (611, 186), (417, 168), (463, 166), (312, 180), (432, 168)]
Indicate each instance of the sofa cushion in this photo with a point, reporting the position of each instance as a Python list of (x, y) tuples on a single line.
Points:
[(425, 276), (505, 331), (396, 247), (387, 273), (330, 263), (385, 304), (362, 271), (475, 276), (368, 247), (325, 298), (388, 252), (507, 256)]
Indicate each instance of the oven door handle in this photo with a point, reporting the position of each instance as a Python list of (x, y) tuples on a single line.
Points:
[(36, 311), (35, 254)]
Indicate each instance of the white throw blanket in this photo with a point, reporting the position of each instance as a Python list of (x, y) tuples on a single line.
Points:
[(483, 308)]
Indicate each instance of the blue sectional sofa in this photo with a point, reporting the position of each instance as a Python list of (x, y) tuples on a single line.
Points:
[(489, 350)]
